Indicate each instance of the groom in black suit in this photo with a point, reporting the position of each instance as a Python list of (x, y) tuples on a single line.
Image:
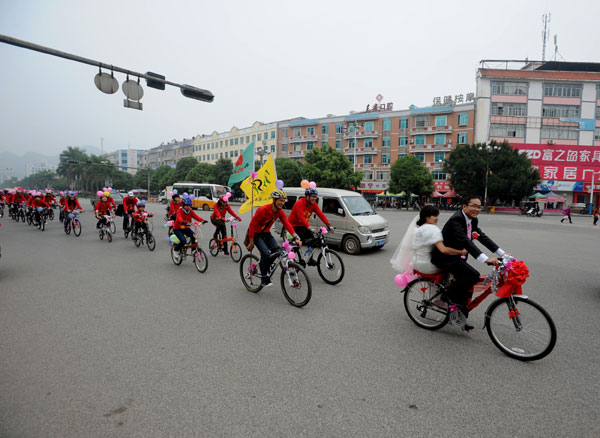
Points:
[(458, 234)]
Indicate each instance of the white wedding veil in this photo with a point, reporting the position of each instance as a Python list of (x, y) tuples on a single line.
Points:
[(402, 259)]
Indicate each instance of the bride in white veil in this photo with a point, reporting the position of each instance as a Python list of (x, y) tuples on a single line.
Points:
[(402, 259)]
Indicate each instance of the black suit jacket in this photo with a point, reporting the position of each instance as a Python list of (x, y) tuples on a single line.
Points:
[(455, 236)]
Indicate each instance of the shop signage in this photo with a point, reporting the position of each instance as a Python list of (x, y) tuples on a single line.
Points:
[(441, 186), (563, 162), (448, 100), (389, 106)]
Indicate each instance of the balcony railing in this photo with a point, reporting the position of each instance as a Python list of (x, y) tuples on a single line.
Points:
[(361, 151), (420, 130), (430, 148), (304, 138), (361, 134)]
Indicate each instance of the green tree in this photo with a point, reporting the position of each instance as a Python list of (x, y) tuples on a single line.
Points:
[(330, 168), (288, 171), (408, 175), (201, 173), (183, 167), (140, 179), (70, 164), (222, 170), (123, 181), (168, 179), (510, 176), (156, 177)]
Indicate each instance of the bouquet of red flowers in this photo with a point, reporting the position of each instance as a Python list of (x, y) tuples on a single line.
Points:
[(516, 274)]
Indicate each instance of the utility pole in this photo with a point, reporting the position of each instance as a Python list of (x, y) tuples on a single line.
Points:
[(545, 32)]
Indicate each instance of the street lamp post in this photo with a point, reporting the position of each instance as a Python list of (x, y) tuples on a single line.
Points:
[(592, 192)]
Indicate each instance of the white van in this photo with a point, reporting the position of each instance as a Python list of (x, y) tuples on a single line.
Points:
[(357, 225)]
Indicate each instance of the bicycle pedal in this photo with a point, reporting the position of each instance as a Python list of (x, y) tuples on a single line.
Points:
[(312, 262)]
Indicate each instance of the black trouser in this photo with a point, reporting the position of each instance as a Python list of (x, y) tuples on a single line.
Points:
[(569, 216), (102, 221), (307, 236), (465, 277), (595, 220), (137, 226), (221, 228)]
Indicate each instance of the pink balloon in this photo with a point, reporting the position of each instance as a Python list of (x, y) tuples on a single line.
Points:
[(170, 223), (312, 185), (100, 193), (171, 194), (104, 189), (324, 230), (292, 255), (253, 174), (304, 184), (109, 189), (401, 280)]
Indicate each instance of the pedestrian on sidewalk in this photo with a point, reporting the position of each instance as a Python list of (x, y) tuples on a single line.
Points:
[(595, 213), (567, 215)]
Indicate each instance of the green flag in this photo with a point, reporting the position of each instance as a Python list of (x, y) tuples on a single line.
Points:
[(243, 166)]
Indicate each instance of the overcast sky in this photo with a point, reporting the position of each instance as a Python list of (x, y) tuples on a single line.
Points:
[(263, 60)]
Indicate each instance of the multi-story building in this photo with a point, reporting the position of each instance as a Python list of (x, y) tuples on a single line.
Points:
[(126, 160), (167, 154), (374, 140), (230, 144), (552, 111)]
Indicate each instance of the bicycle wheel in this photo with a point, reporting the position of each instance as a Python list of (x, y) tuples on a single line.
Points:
[(101, 234), (137, 240), (113, 227), (176, 256), (200, 260), (250, 273), (295, 285), (424, 306), (108, 235), (51, 214), (29, 219), (523, 330), (22, 216), (150, 242), (43, 224), (77, 228), (235, 252), (150, 226), (213, 247), (330, 266), (67, 227)]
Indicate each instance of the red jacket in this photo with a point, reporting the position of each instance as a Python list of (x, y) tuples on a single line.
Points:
[(129, 203), (50, 199), (219, 213), (302, 211), (36, 203), (141, 216), (71, 204), (102, 208), (61, 201), (174, 207), (29, 202), (111, 201), (184, 219), (264, 218), (18, 198), (8, 198)]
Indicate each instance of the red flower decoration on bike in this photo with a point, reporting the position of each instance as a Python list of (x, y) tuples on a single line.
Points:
[(516, 276)]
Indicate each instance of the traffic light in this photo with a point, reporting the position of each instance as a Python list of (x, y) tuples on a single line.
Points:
[(155, 84), (197, 93)]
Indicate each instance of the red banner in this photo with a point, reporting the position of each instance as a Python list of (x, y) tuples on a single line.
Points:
[(563, 162)]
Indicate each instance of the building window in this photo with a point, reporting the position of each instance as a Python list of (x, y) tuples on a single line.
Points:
[(420, 122), (438, 176), (310, 130), (510, 88), (368, 174), (597, 134), (404, 123), (439, 157), (462, 138), (385, 158), (598, 113), (386, 142), (338, 144), (498, 130), (402, 141), (310, 145), (419, 139), (401, 154), (258, 137), (387, 124), (351, 143), (324, 129), (560, 133), (297, 132), (382, 176), (339, 128), (561, 111), (562, 90), (441, 121), (509, 109), (420, 156), (297, 148), (463, 119), (368, 159), (368, 142), (272, 148), (248, 137), (440, 139), (351, 158), (369, 126), (272, 135), (237, 141)]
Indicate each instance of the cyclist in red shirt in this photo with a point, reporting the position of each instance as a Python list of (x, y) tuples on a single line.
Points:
[(103, 208), (183, 222), (221, 208), (129, 203), (49, 198), (111, 201), (72, 203), (259, 231), (37, 203), (140, 217), (175, 205)]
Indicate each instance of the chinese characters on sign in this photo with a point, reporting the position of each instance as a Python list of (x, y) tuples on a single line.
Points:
[(449, 100), (562, 162), (380, 107)]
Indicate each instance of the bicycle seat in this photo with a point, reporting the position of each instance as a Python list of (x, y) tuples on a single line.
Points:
[(437, 277)]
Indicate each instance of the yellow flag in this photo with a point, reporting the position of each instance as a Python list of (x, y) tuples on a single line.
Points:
[(259, 188)]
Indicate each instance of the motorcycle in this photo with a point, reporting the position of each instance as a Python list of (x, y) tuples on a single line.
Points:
[(532, 212)]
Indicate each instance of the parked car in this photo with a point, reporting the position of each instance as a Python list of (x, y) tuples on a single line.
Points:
[(357, 225), (118, 197)]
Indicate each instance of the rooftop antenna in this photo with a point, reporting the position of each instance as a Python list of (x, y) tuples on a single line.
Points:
[(556, 52), (545, 32)]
